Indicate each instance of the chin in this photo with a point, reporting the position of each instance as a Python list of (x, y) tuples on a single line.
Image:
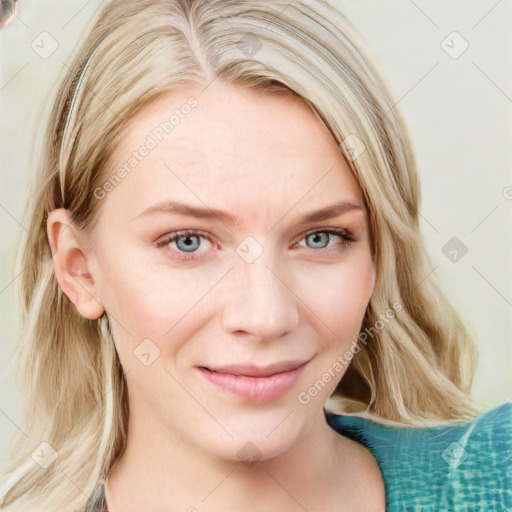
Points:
[(258, 439), (252, 450)]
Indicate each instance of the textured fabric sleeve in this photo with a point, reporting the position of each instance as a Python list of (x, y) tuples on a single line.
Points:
[(453, 468)]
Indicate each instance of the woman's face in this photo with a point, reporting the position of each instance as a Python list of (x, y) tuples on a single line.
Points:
[(255, 289)]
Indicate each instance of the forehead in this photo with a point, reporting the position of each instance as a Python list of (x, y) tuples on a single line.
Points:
[(229, 146)]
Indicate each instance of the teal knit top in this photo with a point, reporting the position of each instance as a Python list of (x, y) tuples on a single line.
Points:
[(465, 467)]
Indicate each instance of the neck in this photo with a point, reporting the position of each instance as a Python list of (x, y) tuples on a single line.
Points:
[(161, 472)]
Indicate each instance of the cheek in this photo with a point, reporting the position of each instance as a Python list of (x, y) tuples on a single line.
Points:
[(339, 295), (130, 296), (148, 301)]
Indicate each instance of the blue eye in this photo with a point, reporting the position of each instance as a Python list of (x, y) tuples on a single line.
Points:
[(320, 239), (188, 241), (317, 238)]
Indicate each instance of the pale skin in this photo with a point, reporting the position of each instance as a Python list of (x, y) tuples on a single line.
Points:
[(267, 160)]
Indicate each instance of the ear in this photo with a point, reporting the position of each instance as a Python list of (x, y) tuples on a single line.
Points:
[(71, 264)]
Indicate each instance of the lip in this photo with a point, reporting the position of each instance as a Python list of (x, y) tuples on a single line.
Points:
[(255, 383)]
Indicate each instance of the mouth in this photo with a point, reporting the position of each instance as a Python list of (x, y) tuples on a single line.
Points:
[(255, 383)]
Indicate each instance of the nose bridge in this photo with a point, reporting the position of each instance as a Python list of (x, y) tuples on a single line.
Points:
[(258, 299)]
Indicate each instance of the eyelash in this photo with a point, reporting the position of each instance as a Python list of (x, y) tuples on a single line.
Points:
[(344, 234)]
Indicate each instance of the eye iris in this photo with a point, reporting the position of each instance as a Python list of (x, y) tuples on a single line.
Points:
[(318, 237), (188, 247)]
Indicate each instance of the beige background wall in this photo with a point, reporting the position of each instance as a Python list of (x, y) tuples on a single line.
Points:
[(457, 102)]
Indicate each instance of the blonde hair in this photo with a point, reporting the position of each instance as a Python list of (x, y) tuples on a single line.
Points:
[(416, 370)]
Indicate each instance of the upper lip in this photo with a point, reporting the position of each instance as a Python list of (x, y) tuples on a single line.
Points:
[(251, 370)]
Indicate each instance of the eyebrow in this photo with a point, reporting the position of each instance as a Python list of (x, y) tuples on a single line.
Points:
[(174, 207)]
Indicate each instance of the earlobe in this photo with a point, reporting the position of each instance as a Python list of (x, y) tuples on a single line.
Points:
[(71, 264)]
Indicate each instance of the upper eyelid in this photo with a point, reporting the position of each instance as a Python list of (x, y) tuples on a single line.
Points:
[(326, 228)]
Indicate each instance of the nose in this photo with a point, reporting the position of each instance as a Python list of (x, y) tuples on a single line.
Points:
[(259, 300)]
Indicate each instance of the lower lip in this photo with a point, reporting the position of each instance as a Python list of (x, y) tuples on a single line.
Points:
[(260, 389)]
